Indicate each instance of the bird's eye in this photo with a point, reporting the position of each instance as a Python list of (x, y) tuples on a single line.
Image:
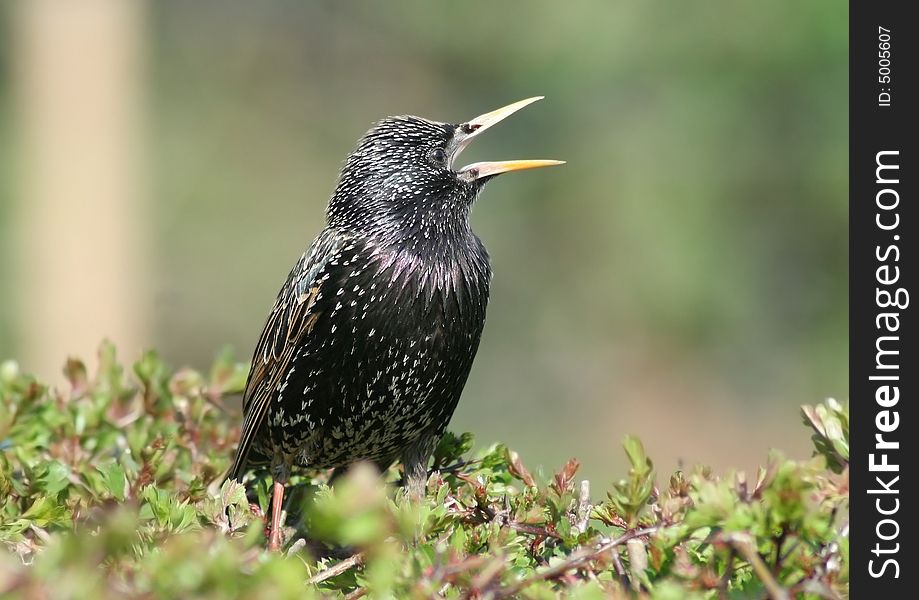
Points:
[(439, 156)]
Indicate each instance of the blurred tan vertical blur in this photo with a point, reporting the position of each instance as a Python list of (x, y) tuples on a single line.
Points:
[(80, 224)]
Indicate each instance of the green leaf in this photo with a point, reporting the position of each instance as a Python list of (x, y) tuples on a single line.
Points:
[(54, 478), (45, 512), (114, 480)]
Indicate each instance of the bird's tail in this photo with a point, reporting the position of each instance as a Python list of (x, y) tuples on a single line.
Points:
[(215, 486), (236, 472)]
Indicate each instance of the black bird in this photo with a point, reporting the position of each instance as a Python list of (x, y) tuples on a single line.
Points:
[(372, 336)]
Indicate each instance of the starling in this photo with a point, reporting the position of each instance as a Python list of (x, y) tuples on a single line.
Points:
[(371, 338)]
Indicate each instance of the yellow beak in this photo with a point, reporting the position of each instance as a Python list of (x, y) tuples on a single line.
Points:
[(487, 169), (472, 129)]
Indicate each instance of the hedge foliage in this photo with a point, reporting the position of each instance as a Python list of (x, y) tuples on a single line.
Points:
[(111, 488)]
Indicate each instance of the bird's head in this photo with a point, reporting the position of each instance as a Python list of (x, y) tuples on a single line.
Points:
[(402, 178)]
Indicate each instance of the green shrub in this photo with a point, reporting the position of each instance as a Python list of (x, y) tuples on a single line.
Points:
[(104, 493)]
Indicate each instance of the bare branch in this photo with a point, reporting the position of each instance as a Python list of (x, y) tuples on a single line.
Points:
[(583, 507), (338, 568), (744, 546), (576, 560)]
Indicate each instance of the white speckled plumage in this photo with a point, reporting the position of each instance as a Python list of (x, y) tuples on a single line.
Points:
[(373, 334), (370, 341)]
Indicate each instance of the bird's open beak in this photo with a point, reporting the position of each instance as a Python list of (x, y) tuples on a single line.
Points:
[(472, 129)]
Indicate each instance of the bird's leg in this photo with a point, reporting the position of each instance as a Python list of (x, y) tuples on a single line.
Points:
[(415, 465), (277, 503), (337, 473), (416, 477)]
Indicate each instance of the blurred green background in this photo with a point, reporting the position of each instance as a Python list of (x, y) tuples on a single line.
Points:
[(682, 278)]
